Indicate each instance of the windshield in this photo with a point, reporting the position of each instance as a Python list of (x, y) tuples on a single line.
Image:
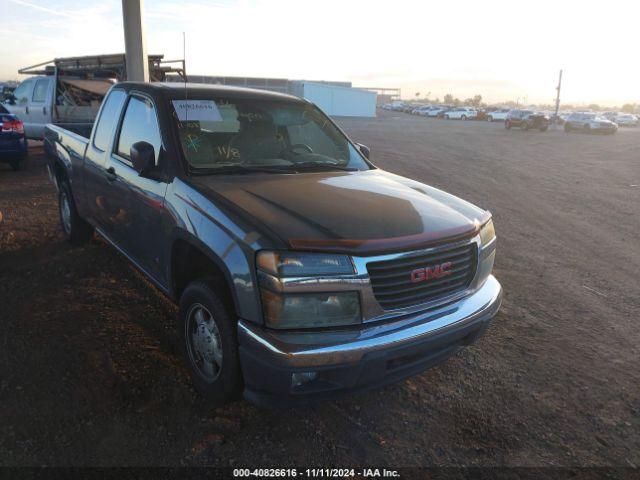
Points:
[(220, 135)]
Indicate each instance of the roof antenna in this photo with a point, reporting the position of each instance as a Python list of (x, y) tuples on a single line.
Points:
[(184, 72)]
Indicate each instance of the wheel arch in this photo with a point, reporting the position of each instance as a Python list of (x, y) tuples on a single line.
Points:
[(190, 259)]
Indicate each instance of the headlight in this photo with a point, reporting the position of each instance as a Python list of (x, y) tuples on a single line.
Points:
[(310, 310), (487, 253), (300, 264), (284, 309), (487, 233)]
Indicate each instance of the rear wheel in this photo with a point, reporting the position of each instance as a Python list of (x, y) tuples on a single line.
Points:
[(75, 229), (210, 342)]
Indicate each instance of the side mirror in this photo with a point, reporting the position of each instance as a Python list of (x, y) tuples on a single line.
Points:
[(366, 151), (143, 157)]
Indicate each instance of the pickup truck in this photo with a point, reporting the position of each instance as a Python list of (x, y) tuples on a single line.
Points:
[(70, 90), (300, 269)]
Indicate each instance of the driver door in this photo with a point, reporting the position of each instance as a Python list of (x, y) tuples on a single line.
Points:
[(137, 214)]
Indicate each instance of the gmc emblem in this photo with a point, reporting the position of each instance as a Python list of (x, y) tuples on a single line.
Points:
[(429, 273)]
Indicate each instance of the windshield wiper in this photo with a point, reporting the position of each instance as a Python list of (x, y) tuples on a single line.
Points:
[(238, 169), (322, 166)]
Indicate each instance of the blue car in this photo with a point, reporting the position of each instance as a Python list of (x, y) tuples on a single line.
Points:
[(13, 143)]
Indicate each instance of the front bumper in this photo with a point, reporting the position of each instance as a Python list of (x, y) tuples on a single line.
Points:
[(349, 360)]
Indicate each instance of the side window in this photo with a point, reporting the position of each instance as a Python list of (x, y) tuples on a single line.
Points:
[(22, 92), (40, 90), (140, 124), (108, 119)]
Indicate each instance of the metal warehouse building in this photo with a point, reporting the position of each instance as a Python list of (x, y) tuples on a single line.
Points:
[(338, 99)]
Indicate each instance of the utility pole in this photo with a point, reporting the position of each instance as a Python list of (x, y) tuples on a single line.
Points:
[(135, 41), (558, 95)]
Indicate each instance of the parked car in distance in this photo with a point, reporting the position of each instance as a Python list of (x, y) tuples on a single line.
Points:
[(13, 142), (589, 122), (300, 269), (626, 120), (526, 120), (461, 113), (438, 109), (497, 115), (424, 111)]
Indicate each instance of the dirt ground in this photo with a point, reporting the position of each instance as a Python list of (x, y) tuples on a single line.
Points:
[(90, 372)]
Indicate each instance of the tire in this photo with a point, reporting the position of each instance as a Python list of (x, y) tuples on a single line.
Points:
[(489, 118), (544, 128), (586, 128), (463, 117), (507, 125), (75, 229), (524, 125), (446, 117), (210, 342), (567, 128)]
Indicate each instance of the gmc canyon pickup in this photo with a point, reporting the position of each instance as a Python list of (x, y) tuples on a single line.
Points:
[(300, 269)]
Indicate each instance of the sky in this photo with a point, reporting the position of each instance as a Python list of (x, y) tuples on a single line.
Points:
[(502, 50)]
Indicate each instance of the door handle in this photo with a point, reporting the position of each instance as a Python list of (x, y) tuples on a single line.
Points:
[(110, 173)]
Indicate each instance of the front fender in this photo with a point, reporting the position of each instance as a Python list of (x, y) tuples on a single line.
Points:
[(229, 242)]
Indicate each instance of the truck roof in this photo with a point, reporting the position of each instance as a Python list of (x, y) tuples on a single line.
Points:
[(177, 90)]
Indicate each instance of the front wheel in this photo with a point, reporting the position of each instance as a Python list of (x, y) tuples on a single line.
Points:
[(210, 342), (524, 125), (75, 229)]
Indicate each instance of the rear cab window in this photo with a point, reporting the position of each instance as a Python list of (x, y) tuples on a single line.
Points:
[(40, 90)]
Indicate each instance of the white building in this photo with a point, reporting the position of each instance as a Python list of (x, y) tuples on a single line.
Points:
[(339, 99)]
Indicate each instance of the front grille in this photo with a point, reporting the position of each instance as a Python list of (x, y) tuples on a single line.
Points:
[(393, 286)]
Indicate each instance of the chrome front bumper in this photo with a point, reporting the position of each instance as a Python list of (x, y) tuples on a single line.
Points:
[(318, 349)]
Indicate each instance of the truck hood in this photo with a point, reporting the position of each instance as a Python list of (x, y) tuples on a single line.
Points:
[(350, 212)]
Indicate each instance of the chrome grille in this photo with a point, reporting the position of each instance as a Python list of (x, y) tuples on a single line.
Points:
[(393, 287)]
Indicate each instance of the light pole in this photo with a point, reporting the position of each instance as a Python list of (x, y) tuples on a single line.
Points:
[(135, 41)]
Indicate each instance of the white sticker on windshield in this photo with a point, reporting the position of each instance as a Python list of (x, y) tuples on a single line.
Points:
[(197, 110)]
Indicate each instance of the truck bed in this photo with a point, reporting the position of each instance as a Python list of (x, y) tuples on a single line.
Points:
[(68, 141)]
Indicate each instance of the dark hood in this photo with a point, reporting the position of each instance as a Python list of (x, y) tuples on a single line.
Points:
[(355, 212)]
